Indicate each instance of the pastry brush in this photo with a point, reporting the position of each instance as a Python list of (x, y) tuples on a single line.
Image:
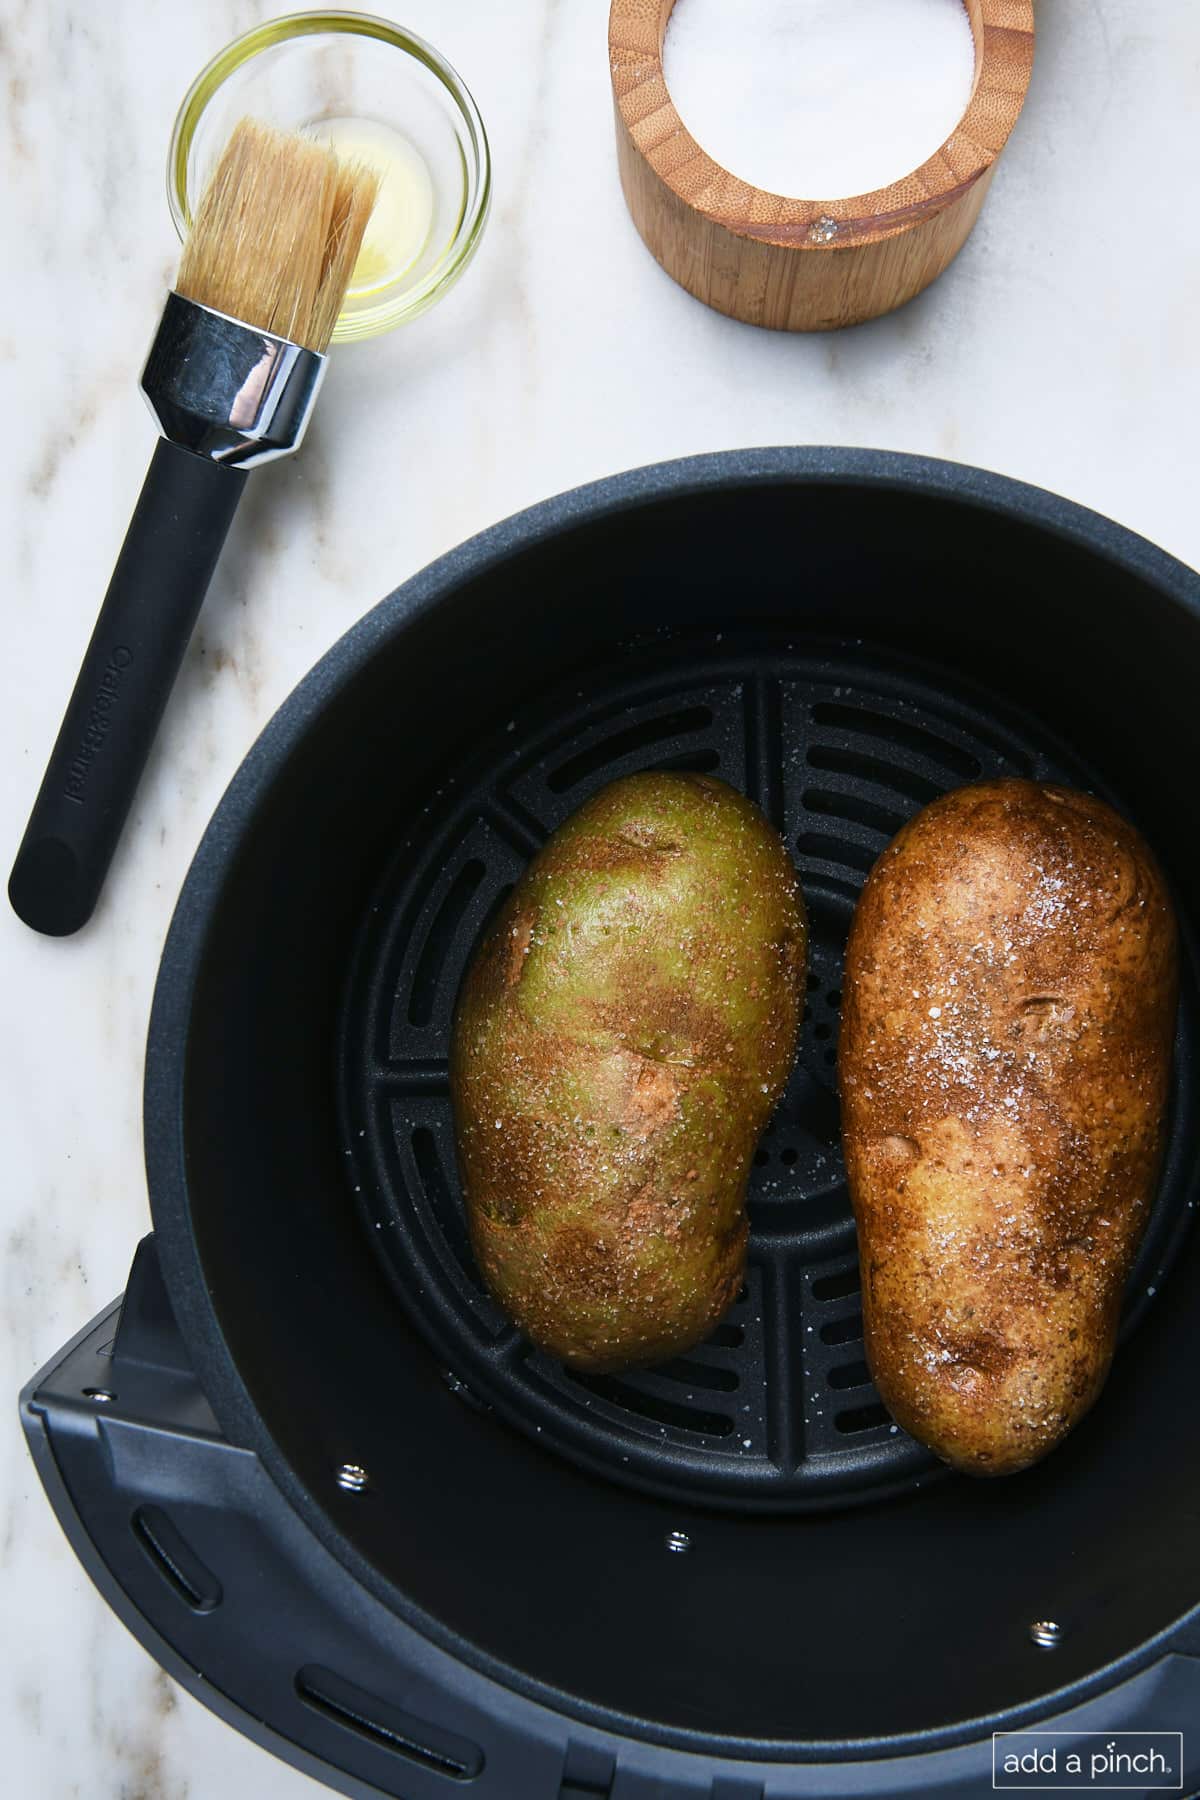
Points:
[(231, 378)]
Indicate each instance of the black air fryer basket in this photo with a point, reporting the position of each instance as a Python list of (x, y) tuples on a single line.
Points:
[(309, 1461)]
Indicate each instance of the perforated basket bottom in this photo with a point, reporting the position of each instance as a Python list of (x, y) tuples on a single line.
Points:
[(839, 746)]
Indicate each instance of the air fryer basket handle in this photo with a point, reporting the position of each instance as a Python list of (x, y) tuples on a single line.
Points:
[(201, 1555)]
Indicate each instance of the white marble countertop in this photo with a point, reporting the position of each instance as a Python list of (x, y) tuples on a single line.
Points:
[(1061, 347)]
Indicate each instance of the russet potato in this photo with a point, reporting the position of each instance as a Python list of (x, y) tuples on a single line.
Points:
[(620, 1041), (1008, 1016)]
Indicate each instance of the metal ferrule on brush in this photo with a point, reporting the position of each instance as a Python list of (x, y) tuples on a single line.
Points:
[(225, 390)]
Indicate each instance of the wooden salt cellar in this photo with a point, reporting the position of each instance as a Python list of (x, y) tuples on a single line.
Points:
[(806, 265)]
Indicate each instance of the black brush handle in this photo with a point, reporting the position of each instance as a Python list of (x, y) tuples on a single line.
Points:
[(174, 539)]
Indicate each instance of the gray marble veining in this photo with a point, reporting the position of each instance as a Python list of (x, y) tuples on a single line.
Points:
[(1060, 347)]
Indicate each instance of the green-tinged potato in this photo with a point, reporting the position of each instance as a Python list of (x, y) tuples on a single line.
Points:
[(621, 1040), (1008, 1015)]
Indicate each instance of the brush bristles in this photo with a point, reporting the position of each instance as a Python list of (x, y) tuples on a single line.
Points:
[(277, 234), (354, 192)]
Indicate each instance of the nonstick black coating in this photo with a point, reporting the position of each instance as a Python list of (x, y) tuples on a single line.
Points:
[(900, 1621), (840, 744)]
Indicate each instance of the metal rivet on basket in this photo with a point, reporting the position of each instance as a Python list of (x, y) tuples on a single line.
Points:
[(1045, 1633), (351, 1477), (103, 1395), (678, 1542)]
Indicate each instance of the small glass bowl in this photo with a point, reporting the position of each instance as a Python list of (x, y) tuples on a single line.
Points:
[(351, 70)]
